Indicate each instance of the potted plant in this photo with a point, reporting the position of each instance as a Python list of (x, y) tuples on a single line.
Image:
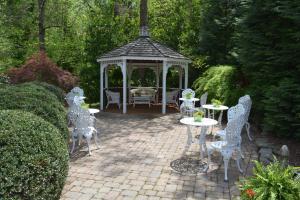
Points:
[(216, 103), (85, 105), (188, 95), (198, 116)]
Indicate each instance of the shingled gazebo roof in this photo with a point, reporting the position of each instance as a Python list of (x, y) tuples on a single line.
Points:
[(143, 47)]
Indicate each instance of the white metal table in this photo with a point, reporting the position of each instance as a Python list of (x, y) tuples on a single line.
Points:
[(93, 111), (192, 99), (204, 124), (220, 108)]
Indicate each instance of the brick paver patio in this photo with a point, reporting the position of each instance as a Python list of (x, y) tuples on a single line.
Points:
[(133, 162)]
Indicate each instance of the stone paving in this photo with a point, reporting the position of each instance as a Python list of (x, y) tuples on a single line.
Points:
[(134, 159)]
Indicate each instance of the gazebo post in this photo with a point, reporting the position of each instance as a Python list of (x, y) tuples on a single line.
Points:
[(180, 77), (164, 86), (186, 76), (106, 78), (124, 71), (101, 85)]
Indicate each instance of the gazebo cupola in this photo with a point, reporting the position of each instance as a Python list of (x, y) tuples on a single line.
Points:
[(141, 53)]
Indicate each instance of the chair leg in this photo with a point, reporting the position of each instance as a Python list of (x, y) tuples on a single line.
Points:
[(209, 151), (96, 138), (73, 141), (238, 161), (73, 145), (248, 131), (226, 161), (88, 141)]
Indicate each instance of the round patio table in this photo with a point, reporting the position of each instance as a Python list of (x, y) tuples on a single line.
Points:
[(93, 111), (204, 124), (213, 108), (192, 99)]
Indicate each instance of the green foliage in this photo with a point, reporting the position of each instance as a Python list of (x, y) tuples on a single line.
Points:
[(269, 51), (282, 108), (36, 99), (273, 182), (218, 24), (58, 92), (221, 82), (34, 157)]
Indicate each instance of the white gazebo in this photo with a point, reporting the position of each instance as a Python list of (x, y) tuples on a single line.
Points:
[(142, 53)]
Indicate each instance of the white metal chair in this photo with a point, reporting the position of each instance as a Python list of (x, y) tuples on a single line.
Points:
[(188, 105), (188, 91), (247, 103), (112, 98), (84, 128), (172, 97), (232, 142)]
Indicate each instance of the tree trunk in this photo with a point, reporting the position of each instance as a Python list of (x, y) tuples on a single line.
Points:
[(42, 33), (144, 18)]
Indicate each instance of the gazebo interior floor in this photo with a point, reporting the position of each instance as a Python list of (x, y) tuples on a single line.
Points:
[(142, 109)]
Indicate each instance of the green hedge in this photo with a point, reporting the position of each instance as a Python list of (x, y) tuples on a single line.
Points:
[(34, 157), (36, 99), (221, 82), (282, 109), (58, 92)]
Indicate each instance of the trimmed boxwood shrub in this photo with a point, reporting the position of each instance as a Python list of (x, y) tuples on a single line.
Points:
[(58, 92), (34, 157), (221, 83), (36, 99)]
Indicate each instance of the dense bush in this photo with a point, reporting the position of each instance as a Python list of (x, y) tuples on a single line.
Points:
[(39, 67), (59, 93), (34, 157), (282, 108), (221, 83), (273, 182), (36, 99)]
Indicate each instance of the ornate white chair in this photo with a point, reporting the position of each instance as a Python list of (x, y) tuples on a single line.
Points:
[(232, 142), (172, 97), (112, 98), (247, 103), (84, 128), (76, 91), (188, 105)]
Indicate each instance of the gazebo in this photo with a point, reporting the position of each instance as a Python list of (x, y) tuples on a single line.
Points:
[(142, 53)]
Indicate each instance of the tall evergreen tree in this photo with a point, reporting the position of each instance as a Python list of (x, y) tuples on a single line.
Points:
[(269, 52)]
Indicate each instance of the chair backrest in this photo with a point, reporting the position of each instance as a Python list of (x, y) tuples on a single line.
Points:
[(84, 119), (234, 111), (112, 95), (247, 103), (188, 91), (203, 99), (172, 95), (77, 91), (234, 127)]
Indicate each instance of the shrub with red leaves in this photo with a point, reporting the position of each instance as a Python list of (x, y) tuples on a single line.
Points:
[(40, 67)]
